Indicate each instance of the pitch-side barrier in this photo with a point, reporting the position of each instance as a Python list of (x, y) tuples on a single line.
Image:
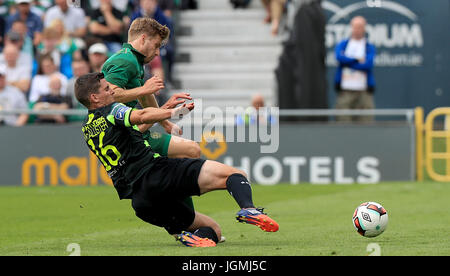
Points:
[(319, 152)]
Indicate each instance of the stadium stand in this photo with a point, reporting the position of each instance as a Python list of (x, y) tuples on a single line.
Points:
[(226, 55)]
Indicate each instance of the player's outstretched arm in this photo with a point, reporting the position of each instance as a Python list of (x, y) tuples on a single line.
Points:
[(176, 99), (151, 115)]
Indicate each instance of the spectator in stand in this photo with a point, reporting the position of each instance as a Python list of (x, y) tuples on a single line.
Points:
[(53, 100), (167, 6), (256, 113), (258, 101), (354, 78), (155, 68), (18, 67), (48, 45), (79, 67), (274, 12), (108, 24), (98, 54), (74, 18), (66, 46), (66, 43), (150, 8), (11, 98), (33, 21), (24, 42), (40, 85), (61, 47)]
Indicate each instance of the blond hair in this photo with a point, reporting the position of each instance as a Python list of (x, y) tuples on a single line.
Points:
[(51, 33), (148, 26)]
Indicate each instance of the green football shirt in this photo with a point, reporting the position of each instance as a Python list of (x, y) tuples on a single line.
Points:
[(118, 145), (125, 69)]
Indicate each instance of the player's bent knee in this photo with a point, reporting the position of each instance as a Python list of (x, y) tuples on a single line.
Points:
[(240, 172), (233, 170)]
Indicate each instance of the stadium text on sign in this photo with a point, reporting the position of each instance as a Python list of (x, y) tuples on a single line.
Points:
[(88, 171), (322, 169), (402, 35)]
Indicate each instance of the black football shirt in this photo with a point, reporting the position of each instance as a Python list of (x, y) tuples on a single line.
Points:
[(118, 145)]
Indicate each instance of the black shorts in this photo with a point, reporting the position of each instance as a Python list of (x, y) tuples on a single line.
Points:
[(158, 196)]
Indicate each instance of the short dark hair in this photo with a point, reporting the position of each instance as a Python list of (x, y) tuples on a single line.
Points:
[(86, 85)]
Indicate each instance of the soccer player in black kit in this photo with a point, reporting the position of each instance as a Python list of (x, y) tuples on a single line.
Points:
[(157, 185)]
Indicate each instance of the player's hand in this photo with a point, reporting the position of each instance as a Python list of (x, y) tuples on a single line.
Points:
[(190, 106), (171, 128), (176, 99), (177, 113), (181, 111), (153, 85)]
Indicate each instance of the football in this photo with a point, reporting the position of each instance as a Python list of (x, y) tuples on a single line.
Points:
[(370, 219)]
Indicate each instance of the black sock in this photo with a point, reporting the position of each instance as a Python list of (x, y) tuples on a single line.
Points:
[(239, 188), (207, 232)]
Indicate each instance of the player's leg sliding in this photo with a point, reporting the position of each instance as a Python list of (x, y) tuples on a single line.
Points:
[(202, 237), (239, 187), (256, 217)]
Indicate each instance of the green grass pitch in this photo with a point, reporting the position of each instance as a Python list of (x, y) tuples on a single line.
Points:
[(314, 220)]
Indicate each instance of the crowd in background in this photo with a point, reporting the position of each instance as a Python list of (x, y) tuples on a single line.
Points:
[(46, 44)]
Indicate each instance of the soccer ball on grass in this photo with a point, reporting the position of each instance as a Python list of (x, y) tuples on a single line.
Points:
[(370, 219)]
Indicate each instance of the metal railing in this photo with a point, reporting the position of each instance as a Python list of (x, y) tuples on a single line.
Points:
[(407, 113), (428, 151), (66, 112)]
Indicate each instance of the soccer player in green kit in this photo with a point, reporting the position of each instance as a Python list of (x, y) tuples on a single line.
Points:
[(125, 73), (155, 184)]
